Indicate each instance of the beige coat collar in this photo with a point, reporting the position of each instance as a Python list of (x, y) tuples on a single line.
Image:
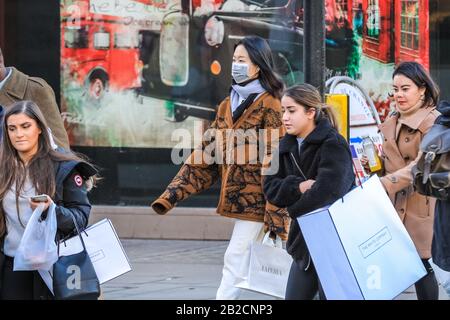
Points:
[(390, 129), (414, 121)]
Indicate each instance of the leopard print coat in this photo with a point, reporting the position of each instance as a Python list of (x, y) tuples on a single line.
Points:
[(241, 195)]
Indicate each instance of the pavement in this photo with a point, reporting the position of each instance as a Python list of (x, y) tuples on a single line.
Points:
[(181, 270)]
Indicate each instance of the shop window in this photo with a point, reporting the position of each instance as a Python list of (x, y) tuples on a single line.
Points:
[(101, 40), (341, 12), (357, 17), (125, 40), (373, 19), (409, 26), (76, 38)]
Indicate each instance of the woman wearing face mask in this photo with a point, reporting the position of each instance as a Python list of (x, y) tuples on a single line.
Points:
[(315, 169), (416, 96), (253, 105)]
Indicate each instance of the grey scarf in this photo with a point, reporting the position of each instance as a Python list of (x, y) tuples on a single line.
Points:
[(240, 93)]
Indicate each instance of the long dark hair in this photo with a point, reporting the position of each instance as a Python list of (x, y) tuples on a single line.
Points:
[(41, 167), (309, 97), (260, 54), (417, 74)]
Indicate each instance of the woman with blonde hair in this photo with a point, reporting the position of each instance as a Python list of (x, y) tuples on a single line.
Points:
[(315, 170)]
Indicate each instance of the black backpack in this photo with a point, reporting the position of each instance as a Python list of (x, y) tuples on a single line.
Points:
[(431, 174)]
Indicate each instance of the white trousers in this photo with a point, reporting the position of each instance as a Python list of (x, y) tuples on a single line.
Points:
[(244, 232)]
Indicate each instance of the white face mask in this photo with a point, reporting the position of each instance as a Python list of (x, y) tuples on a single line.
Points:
[(239, 72)]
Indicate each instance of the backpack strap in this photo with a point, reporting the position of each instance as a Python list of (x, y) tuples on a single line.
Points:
[(428, 159)]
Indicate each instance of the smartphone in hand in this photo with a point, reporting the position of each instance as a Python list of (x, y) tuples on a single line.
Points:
[(39, 198)]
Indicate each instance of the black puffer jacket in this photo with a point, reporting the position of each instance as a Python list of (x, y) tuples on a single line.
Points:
[(71, 195), (324, 157), (440, 248)]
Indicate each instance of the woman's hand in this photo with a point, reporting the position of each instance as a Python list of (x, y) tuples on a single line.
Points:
[(365, 164), (35, 204), (306, 185)]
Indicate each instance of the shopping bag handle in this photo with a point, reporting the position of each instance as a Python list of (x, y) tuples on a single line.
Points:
[(272, 242), (78, 232)]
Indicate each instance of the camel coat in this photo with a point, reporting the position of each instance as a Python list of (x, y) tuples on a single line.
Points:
[(400, 152)]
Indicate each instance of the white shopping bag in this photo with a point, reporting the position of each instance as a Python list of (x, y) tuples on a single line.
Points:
[(268, 269), (104, 248), (37, 249), (360, 247)]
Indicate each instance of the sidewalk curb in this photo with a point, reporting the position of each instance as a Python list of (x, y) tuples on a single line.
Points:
[(180, 223)]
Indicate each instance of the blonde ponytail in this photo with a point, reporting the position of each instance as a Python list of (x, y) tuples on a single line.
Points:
[(327, 111)]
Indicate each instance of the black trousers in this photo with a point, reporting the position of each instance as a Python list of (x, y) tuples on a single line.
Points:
[(22, 285), (427, 288), (303, 282)]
